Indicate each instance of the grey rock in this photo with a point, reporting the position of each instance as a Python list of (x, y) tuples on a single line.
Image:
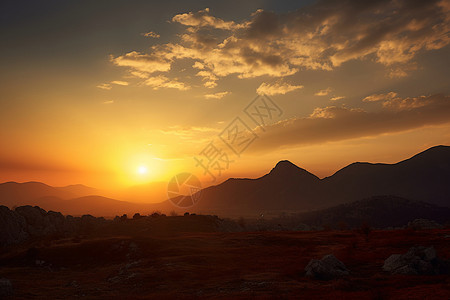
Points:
[(417, 261), (329, 267), (420, 224)]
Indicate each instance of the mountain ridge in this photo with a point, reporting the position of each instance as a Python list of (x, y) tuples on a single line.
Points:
[(287, 187)]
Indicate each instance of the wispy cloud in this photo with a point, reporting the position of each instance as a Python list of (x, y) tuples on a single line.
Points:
[(379, 97), (162, 81), (324, 92), (151, 34), (119, 82), (336, 98), (104, 86), (334, 123), (277, 88), (219, 95)]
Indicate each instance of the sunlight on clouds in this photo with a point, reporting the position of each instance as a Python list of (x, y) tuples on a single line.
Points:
[(104, 86), (162, 81), (378, 97), (277, 88), (119, 82), (322, 36), (336, 98), (219, 95), (324, 92), (151, 34)]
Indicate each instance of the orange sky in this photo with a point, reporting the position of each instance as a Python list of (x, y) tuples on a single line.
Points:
[(152, 86)]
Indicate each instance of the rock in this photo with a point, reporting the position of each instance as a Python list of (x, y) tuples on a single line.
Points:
[(329, 267), (6, 289), (13, 227), (417, 261), (420, 224)]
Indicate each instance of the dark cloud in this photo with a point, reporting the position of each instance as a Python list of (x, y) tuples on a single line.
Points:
[(339, 123)]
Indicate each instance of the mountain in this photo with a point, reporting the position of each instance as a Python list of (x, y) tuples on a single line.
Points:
[(73, 199), (79, 190), (423, 177), (286, 187), (13, 193), (379, 212), (94, 205)]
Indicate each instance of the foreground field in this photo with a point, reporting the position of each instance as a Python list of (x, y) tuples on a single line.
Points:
[(221, 265)]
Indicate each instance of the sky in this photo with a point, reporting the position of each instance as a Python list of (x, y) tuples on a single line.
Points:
[(121, 93)]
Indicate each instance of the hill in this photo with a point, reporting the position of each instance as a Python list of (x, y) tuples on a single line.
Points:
[(379, 212), (423, 177)]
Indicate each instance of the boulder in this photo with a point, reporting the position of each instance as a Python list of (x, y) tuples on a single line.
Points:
[(420, 224), (329, 267), (417, 261)]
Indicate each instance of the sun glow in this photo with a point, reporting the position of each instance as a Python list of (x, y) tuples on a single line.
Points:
[(142, 170)]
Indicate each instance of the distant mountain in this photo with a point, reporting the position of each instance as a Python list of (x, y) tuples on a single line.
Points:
[(79, 190), (13, 193), (94, 205), (379, 212), (67, 199), (423, 177), (145, 193)]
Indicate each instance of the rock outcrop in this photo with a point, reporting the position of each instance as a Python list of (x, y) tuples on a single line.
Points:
[(329, 267), (420, 224), (417, 261), (28, 222)]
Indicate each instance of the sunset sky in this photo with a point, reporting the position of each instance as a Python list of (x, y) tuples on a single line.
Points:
[(119, 93)]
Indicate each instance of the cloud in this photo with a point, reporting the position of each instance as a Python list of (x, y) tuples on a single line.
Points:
[(151, 34), (217, 95), (162, 81), (144, 63), (104, 86), (119, 82), (193, 133), (203, 18), (323, 92), (391, 101), (339, 123), (336, 98), (277, 88), (108, 102), (321, 36), (379, 97), (408, 103)]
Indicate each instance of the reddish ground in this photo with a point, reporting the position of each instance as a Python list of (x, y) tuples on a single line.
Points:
[(259, 265)]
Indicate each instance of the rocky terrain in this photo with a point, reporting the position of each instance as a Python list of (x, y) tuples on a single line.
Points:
[(233, 265)]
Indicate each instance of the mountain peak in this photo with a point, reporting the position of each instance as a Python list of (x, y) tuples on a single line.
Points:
[(285, 168), (284, 165)]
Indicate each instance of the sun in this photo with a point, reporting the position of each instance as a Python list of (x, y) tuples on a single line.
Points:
[(142, 170)]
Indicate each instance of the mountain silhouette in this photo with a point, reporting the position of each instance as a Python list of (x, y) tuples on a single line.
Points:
[(79, 190), (378, 211), (13, 193), (423, 177)]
